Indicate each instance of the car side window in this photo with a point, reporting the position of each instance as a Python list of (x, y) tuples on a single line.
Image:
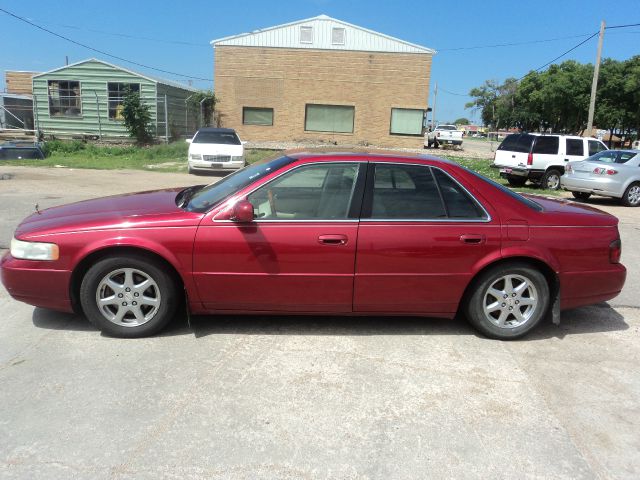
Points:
[(625, 157), (405, 192), (546, 145), (575, 146), (313, 192), (458, 202), (595, 146)]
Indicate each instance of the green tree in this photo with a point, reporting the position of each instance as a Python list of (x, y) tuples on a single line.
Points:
[(137, 117), (205, 103), (462, 121)]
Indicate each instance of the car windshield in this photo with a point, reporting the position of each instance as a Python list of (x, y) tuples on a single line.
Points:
[(224, 138), (446, 127), (612, 156), (211, 195)]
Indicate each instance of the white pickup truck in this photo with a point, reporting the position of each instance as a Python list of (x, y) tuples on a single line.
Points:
[(443, 134)]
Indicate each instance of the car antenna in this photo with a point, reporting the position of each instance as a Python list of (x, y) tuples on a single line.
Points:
[(38, 210)]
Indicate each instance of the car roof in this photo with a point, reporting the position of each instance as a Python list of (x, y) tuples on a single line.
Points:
[(387, 156), (216, 130)]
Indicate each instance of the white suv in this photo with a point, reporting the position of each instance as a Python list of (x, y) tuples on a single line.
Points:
[(215, 149), (541, 158)]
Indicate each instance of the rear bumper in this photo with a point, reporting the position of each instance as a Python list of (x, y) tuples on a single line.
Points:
[(597, 186), (519, 172), (35, 283), (587, 288)]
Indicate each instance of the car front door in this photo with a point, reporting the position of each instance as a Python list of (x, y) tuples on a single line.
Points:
[(421, 236), (297, 255)]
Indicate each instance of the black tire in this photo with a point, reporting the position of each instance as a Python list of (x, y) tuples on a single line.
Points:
[(488, 322), (581, 195), (139, 299), (516, 181), (551, 179), (631, 197)]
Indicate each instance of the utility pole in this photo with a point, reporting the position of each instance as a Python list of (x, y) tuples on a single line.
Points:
[(433, 112), (594, 84)]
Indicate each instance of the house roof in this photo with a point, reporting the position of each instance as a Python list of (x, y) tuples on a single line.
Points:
[(132, 72), (355, 38)]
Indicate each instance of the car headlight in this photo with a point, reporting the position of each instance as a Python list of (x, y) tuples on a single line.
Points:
[(195, 156), (34, 250), (237, 158)]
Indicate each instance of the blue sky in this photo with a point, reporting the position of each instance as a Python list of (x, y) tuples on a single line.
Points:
[(176, 35)]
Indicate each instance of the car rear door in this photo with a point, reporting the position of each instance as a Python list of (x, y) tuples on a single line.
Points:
[(574, 149), (421, 236), (297, 255)]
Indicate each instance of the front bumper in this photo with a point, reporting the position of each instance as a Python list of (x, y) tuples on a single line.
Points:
[(597, 186), (206, 166), (36, 283)]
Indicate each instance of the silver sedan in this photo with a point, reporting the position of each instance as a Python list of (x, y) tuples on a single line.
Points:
[(611, 173)]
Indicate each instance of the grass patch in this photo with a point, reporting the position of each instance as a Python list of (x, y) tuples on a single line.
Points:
[(173, 158)]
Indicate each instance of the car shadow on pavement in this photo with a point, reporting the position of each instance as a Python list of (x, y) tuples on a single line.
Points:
[(593, 319)]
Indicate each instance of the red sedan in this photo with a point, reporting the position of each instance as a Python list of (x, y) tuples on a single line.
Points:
[(346, 234)]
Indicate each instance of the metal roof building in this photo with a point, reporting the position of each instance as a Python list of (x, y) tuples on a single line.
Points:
[(322, 80)]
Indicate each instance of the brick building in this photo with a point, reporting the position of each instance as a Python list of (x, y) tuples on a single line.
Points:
[(322, 79)]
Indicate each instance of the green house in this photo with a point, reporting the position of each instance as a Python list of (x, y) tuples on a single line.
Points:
[(84, 99)]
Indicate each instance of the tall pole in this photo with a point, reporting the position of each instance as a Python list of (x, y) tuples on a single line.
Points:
[(594, 84), (433, 112)]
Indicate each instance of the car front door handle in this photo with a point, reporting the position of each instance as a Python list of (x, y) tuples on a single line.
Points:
[(333, 239), (472, 239)]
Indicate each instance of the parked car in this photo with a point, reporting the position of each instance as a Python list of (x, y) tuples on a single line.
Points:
[(445, 134), (612, 173), (215, 149), (20, 151), (541, 158), (347, 234)]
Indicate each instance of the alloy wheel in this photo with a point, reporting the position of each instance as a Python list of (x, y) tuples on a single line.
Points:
[(510, 301)]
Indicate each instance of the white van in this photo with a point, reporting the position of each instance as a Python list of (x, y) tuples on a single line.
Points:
[(541, 158)]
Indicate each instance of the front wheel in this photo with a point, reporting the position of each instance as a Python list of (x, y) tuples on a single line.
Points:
[(128, 296), (508, 301), (631, 197), (551, 180)]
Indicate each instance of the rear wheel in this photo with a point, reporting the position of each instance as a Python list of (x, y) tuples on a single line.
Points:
[(516, 181), (581, 195), (128, 296), (508, 301), (551, 180), (631, 197)]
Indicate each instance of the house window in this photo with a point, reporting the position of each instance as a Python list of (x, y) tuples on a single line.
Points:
[(64, 98), (329, 118), (257, 116), (306, 34), (115, 94), (406, 121), (337, 36)]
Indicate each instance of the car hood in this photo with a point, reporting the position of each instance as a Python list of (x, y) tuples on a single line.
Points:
[(560, 211), (216, 149), (142, 209)]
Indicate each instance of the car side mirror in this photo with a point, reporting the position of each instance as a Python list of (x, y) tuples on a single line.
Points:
[(242, 212), (188, 140)]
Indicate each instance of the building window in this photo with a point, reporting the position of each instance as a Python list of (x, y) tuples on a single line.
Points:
[(257, 116), (115, 94), (406, 121), (64, 98), (329, 118), (337, 36), (306, 34)]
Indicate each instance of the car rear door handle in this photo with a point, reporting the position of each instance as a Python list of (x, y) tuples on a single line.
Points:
[(333, 239), (472, 239)]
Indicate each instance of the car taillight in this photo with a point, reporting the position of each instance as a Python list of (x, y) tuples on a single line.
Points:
[(530, 159), (604, 171), (615, 251)]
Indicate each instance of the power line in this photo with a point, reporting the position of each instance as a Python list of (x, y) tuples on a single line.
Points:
[(623, 26), (560, 56), (514, 44), (102, 52), (453, 93)]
